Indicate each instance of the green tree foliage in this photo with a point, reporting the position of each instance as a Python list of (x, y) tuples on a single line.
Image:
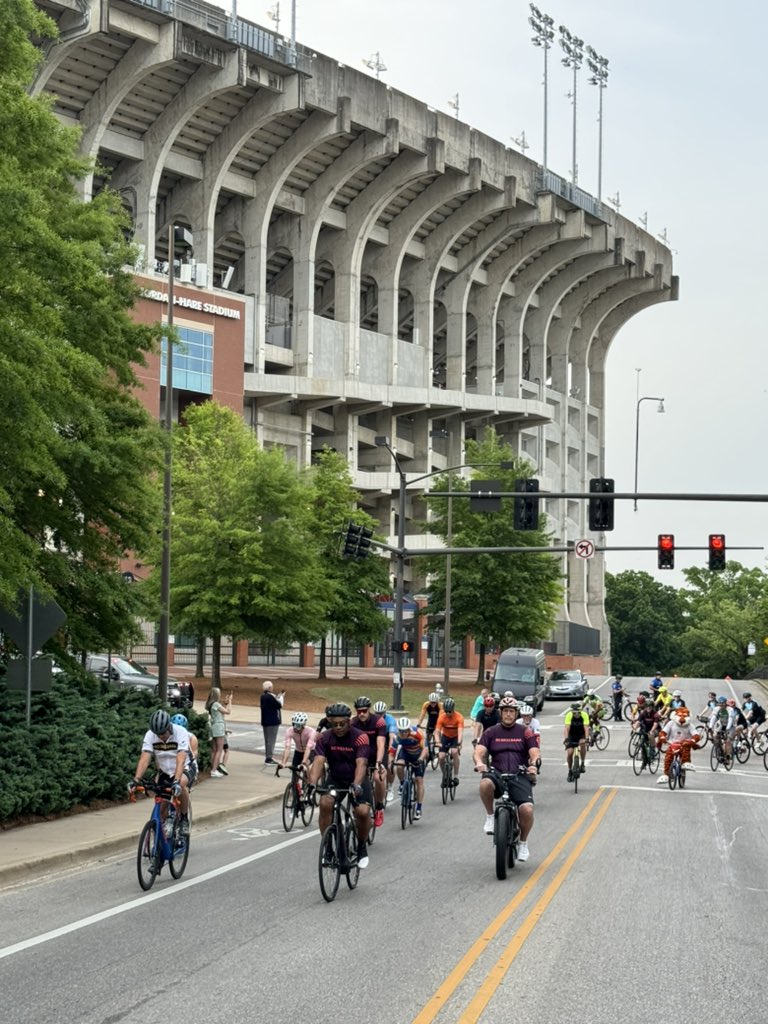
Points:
[(499, 599), (725, 611), (246, 559), (353, 612), (77, 450), (647, 620)]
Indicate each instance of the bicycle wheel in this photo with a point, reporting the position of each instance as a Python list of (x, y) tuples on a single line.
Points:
[(405, 801), (290, 807), (704, 736), (633, 744), (434, 760), (630, 708), (638, 759), (681, 777), (307, 807), (329, 867), (674, 769), (445, 784), (742, 750), (714, 757), (180, 848), (452, 789), (760, 743), (653, 759), (514, 838), (727, 761), (603, 738), (148, 855), (576, 770), (352, 873), (501, 837)]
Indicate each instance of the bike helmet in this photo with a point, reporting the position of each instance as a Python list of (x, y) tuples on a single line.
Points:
[(449, 705), (496, 696), (489, 702), (362, 702), (618, 677), (380, 707), (591, 693), (731, 702), (641, 701), (526, 709), (676, 693), (338, 711), (508, 702), (404, 725), (160, 722), (746, 696), (299, 720), (434, 698), (721, 699), (180, 720), (576, 706)]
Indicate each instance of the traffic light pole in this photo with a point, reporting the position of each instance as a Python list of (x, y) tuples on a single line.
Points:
[(397, 654)]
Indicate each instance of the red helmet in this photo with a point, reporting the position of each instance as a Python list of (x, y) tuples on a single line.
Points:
[(489, 702), (731, 702), (640, 701)]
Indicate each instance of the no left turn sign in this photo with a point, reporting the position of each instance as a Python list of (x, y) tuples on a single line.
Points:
[(584, 548)]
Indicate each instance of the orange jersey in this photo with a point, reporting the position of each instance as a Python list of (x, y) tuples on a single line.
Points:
[(451, 725)]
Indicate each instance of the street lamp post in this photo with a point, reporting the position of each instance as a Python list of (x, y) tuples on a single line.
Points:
[(599, 67), (573, 48), (382, 441), (183, 238), (645, 398), (543, 35)]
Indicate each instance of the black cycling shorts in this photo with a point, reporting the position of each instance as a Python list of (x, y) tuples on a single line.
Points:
[(519, 787)]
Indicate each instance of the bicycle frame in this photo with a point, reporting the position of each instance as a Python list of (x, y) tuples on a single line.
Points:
[(337, 855), (160, 842)]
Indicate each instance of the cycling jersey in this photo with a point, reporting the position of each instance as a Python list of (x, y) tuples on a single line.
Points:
[(647, 717), (488, 717), (165, 751), (431, 712), (374, 726), (342, 753), (508, 746), (410, 747), (449, 725), (577, 723), (723, 720), (754, 712), (302, 740)]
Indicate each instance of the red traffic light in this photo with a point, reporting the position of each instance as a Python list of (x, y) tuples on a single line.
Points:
[(717, 541), (406, 647), (666, 542), (716, 551), (666, 551)]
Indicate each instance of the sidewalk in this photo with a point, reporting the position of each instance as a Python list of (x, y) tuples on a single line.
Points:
[(29, 851)]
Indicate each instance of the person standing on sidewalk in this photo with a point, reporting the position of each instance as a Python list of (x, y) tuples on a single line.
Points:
[(216, 711), (271, 717)]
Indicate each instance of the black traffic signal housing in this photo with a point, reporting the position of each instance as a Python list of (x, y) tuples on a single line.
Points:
[(601, 509), (364, 544), (717, 552), (405, 646), (527, 507), (357, 542), (666, 550)]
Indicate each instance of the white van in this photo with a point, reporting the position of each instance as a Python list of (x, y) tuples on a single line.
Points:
[(521, 670)]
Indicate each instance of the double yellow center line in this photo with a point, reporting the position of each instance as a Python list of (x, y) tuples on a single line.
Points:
[(473, 954)]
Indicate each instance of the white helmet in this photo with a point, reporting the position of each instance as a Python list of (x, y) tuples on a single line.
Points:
[(404, 724), (380, 707), (526, 709), (591, 693), (434, 698), (299, 720)]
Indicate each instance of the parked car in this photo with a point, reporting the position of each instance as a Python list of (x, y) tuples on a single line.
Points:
[(181, 693), (569, 682), (119, 672)]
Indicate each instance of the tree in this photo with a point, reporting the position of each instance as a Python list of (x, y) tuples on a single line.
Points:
[(647, 620), (245, 560), (726, 611), (77, 450), (499, 599), (353, 611)]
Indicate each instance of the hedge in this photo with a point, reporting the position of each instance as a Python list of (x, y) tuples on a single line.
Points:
[(82, 745)]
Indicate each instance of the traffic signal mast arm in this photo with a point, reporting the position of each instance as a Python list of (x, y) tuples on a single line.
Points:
[(618, 495)]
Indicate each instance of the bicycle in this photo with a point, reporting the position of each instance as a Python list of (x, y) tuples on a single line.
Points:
[(676, 775), (705, 734), (759, 740), (432, 753), (630, 709), (646, 756), (599, 737), (338, 845), (161, 841), (741, 747), (718, 756), (407, 794), (634, 742), (576, 769), (449, 781), (506, 823), (298, 798)]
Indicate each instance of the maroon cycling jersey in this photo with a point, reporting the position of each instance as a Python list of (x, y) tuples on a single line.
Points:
[(509, 747), (647, 718), (374, 726), (341, 753)]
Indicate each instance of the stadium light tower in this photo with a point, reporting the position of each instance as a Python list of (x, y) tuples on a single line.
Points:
[(599, 67), (543, 34), (573, 48)]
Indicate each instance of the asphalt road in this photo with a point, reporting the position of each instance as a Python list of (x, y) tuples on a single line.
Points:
[(636, 903)]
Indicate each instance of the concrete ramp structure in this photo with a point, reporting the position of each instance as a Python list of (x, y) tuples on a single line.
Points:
[(390, 270)]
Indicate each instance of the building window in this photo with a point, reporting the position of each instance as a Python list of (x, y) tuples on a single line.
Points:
[(192, 361)]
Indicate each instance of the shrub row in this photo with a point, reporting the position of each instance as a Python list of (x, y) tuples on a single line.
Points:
[(81, 746)]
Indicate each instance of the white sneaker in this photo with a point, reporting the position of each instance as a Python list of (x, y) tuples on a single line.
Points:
[(522, 851), (390, 796), (688, 768), (216, 775), (364, 861), (661, 780), (488, 827)]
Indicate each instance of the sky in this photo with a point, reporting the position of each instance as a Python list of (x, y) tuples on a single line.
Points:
[(684, 143)]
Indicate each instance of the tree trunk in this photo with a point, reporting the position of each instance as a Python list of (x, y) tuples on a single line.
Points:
[(322, 674), (346, 658), (481, 666), (200, 657), (216, 662)]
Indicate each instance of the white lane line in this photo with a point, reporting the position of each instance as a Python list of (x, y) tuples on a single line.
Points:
[(151, 897), (693, 792)]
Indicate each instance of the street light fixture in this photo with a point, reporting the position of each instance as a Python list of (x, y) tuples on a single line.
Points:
[(573, 48), (178, 238), (599, 67), (543, 35), (645, 398)]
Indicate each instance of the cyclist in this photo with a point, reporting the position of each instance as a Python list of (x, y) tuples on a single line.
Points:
[(411, 750), (375, 727), (508, 747), (575, 729), (646, 720), (430, 710), (678, 730), (526, 716), (168, 744), (678, 700), (722, 722), (617, 693), (380, 708), (448, 735), (487, 716), (191, 767), (753, 712), (345, 750), (301, 737), (594, 707), (663, 702)]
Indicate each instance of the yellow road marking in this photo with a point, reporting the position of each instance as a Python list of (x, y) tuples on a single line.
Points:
[(495, 976), (460, 971)]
